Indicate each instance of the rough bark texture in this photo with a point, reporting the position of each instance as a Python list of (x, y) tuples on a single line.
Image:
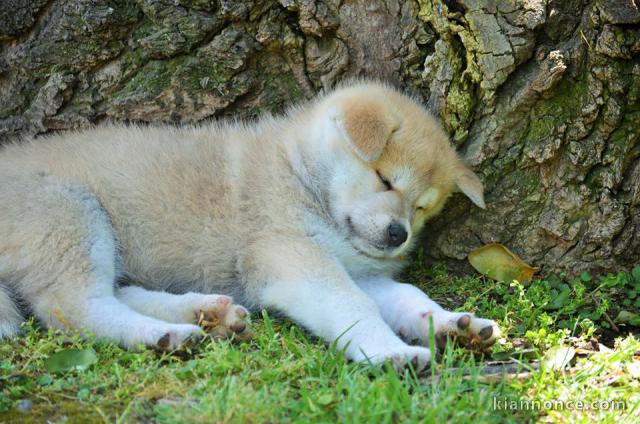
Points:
[(541, 97)]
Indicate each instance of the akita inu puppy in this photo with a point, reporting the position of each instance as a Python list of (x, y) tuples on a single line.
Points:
[(307, 214)]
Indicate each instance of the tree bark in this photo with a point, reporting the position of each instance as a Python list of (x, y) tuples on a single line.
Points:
[(540, 97)]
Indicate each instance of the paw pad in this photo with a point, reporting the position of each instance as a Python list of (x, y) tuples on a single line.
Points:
[(223, 300), (486, 333), (164, 342), (464, 322)]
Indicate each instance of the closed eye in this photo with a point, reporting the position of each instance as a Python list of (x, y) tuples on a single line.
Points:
[(385, 182)]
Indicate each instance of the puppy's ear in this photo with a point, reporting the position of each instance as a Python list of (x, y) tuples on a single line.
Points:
[(470, 184), (366, 125)]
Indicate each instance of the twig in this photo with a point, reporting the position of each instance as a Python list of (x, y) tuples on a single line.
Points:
[(490, 373), (584, 38), (606, 316)]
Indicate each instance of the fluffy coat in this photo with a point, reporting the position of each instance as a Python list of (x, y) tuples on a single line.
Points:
[(292, 213)]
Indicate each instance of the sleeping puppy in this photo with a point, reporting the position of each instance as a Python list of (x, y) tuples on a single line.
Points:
[(307, 214)]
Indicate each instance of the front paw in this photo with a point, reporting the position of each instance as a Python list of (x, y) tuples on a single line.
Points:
[(399, 356), (467, 329), (175, 336)]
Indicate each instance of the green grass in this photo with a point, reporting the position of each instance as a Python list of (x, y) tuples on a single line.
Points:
[(284, 374)]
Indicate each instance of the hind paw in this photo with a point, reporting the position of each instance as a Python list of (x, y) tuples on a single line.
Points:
[(221, 318)]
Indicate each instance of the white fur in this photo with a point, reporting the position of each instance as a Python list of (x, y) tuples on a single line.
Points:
[(354, 321), (181, 308), (10, 317), (409, 311)]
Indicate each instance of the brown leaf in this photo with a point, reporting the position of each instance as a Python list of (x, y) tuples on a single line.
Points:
[(497, 262)]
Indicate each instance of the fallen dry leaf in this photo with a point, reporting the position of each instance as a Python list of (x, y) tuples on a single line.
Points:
[(497, 262)]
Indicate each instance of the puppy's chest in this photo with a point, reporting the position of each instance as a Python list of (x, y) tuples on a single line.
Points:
[(358, 265)]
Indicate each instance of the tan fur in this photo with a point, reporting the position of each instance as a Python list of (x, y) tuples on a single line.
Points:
[(368, 124), (264, 212)]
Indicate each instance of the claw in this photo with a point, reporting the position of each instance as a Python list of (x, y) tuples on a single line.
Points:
[(414, 363), (441, 341)]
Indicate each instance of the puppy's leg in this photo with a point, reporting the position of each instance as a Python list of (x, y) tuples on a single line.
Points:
[(59, 255), (10, 317), (297, 278), (184, 308), (407, 310)]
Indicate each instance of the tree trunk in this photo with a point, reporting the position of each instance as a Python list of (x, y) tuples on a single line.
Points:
[(541, 97)]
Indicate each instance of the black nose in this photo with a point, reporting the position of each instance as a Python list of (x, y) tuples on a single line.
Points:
[(397, 234)]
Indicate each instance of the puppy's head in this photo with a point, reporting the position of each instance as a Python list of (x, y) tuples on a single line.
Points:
[(391, 167)]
